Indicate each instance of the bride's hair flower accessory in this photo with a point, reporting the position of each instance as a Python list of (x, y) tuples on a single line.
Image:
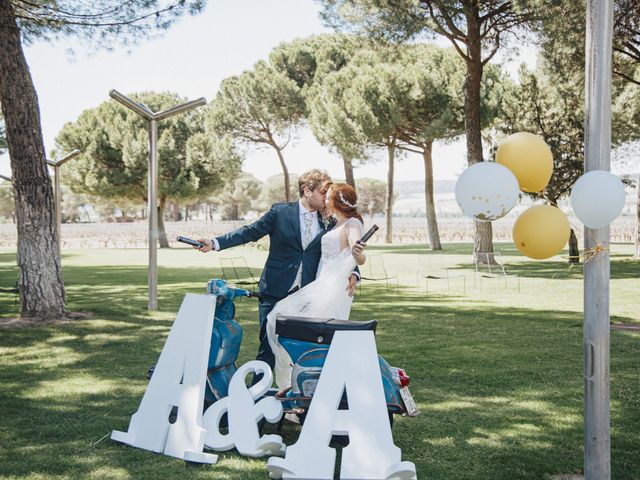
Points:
[(344, 201)]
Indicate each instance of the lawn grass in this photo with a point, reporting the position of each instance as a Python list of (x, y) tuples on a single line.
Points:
[(496, 373)]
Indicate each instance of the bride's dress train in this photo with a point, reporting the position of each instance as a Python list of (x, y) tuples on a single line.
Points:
[(326, 297)]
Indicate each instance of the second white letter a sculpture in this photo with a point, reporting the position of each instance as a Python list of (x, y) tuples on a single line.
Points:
[(178, 380), (352, 367)]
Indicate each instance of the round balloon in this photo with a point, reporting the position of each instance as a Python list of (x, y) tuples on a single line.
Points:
[(529, 158), (541, 232), (486, 191), (597, 198)]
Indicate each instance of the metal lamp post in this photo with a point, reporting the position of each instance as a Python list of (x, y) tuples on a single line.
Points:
[(56, 171), (597, 143), (153, 118)]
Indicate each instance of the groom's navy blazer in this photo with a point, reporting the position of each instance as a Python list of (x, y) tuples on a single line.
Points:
[(286, 255)]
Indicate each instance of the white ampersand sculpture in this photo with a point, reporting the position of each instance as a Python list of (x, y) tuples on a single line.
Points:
[(243, 415)]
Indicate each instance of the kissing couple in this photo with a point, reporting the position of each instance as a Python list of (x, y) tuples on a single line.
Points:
[(312, 267)]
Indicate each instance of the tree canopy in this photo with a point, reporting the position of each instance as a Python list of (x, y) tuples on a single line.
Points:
[(113, 141), (371, 196), (273, 192), (262, 107), (108, 20), (476, 29), (308, 61), (238, 197)]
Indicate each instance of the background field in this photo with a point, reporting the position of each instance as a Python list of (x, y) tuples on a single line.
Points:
[(497, 372)]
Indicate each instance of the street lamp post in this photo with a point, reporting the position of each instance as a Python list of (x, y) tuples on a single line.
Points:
[(56, 171), (153, 118), (597, 151)]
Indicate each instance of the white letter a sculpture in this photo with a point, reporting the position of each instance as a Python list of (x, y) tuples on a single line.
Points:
[(178, 380), (351, 366)]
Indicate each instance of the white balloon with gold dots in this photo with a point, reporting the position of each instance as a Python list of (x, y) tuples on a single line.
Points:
[(487, 191)]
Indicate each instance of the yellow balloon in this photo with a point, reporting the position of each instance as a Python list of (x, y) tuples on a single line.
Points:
[(541, 232), (529, 158)]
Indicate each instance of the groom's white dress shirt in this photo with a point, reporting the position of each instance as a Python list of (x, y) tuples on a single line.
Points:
[(314, 227)]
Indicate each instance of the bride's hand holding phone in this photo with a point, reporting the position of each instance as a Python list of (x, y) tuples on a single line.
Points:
[(357, 249)]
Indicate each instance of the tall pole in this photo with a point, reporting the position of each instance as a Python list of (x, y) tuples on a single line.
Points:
[(153, 214), (56, 171), (153, 118), (597, 410)]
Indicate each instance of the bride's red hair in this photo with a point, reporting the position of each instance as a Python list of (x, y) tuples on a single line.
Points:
[(345, 199)]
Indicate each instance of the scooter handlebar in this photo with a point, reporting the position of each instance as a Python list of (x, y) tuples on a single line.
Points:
[(220, 287)]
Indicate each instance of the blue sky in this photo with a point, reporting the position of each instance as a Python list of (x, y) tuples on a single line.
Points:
[(191, 59)]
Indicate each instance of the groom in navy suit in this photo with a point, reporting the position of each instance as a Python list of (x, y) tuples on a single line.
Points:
[(295, 230)]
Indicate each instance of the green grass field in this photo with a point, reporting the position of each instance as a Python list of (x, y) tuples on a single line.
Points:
[(497, 372)]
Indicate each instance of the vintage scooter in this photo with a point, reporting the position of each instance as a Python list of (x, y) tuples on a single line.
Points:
[(306, 340)]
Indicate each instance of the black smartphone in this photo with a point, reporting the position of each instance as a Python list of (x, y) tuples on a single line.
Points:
[(369, 234), (190, 241)]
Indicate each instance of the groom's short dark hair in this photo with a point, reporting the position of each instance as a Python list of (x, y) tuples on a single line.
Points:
[(312, 179)]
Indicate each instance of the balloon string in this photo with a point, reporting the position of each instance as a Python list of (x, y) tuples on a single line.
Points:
[(589, 254)]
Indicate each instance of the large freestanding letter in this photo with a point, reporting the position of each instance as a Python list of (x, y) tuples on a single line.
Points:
[(352, 367), (178, 380)]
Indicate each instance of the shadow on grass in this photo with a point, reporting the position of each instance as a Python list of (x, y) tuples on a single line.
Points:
[(500, 389), (8, 257)]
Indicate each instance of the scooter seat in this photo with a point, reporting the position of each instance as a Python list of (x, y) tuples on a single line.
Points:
[(318, 330)]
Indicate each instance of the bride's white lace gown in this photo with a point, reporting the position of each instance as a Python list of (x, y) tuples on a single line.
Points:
[(326, 297)]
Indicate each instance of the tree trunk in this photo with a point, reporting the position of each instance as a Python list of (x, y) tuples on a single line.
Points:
[(41, 285), (348, 172), (637, 255), (175, 208), (285, 171), (432, 222), (574, 250), (483, 235), (162, 234), (391, 149)]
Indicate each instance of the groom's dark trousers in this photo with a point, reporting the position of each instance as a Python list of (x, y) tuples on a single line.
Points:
[(286, 256)]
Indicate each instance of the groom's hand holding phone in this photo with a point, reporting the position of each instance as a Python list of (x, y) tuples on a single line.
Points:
[(207, 245)]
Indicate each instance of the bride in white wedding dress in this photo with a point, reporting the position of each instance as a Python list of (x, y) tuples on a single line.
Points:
[(328, 296)]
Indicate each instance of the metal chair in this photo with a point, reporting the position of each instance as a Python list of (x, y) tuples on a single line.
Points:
[(489, 267), (236, 270), (436, 270), (374, 270)]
